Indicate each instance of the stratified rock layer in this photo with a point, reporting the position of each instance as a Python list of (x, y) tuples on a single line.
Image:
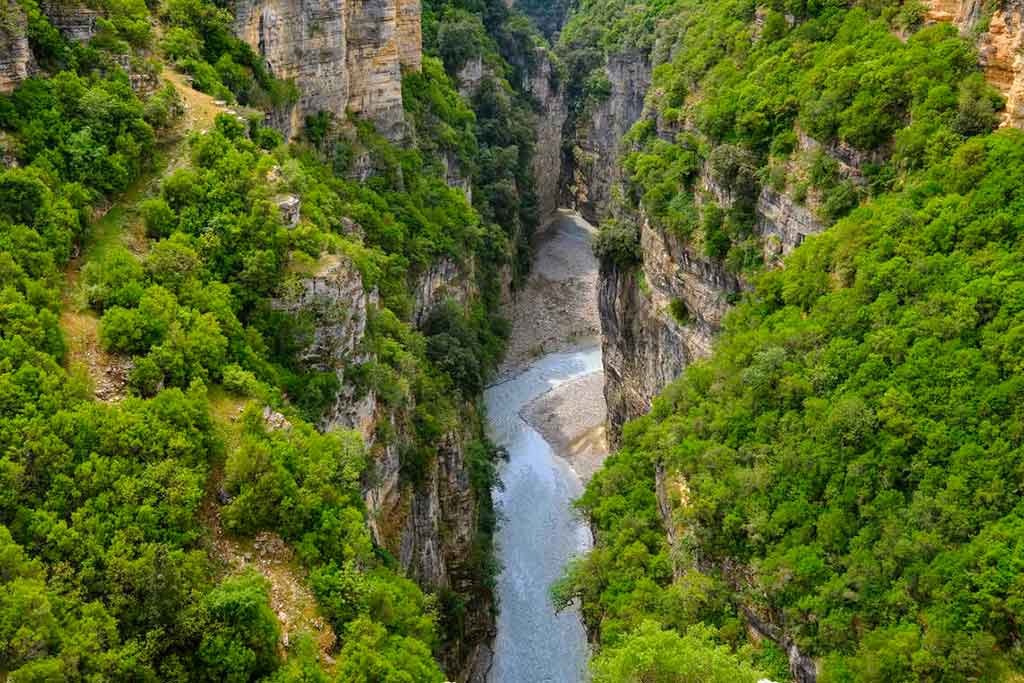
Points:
[(344, 55), (16, 62)]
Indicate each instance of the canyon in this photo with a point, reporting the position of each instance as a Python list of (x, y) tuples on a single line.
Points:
[(626, 330)]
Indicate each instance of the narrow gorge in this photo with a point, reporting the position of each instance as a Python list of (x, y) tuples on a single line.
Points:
[(503, 342)]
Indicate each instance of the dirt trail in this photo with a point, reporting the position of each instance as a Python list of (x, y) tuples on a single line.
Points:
[(119, 224)]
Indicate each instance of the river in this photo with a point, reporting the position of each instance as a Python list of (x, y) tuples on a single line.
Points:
[(555, 381), (539, 532)]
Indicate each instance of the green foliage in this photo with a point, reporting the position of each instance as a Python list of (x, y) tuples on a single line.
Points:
[(102, 542), (677, 308), (461, 36), (618, 241), (240, 640), (92, 133), (651, 654), (839, 74), (199, 39), (853, 442)]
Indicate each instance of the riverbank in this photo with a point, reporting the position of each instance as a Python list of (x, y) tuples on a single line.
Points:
[(557, 311), (557, 308), (571, 418)]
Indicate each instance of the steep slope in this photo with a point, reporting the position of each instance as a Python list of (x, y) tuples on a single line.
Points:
[(763, 127), (342, 281)]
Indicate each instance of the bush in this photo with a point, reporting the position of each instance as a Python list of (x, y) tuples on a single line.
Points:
[(679, 311), (116, 279), (146, 377), (240, 636), (239, 381), (618, 241), (159, 218)]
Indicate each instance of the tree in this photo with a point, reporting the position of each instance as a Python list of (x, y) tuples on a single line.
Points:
[(241, 634), (653, 655)]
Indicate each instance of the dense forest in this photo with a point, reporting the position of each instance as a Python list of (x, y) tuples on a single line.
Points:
[(188, 489), (142, 227), (845, 467)]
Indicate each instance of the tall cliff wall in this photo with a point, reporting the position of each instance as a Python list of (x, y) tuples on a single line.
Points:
[(16, 61), (344, 55), (429, 525), (594, 168), (547, 157), (645, 344)]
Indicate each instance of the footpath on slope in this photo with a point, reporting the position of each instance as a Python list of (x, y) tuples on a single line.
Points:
[(120, 224), (555, 311)]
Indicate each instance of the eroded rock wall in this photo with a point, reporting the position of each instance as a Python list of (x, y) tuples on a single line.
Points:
[(647, 344), (595, 169), (344, 55), (547, 157), (16, 61), (429, 523)]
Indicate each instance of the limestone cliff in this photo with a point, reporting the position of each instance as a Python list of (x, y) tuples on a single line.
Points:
[(430, 524), (594, 167), (999, 34), (552, 112), (16, 61), (646, 343), (344, 55), (75, 20)]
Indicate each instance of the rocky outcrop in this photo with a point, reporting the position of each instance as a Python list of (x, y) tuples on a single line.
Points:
[(551, 114), (336, 305), (783, 223), (344, 55), (75, 21), (470, 75), (999, 45), (428, 521), (444, 279), (656, 318), (595, 167), (16, 60), (802, 667), (455, 177)]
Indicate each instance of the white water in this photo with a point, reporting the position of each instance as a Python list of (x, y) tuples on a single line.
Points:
[(539, 532)]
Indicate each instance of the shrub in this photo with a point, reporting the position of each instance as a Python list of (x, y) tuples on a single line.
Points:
[(159, 217), (618, 241)]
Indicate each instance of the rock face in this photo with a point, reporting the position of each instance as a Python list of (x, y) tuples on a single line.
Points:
[(444, 279), (1000, 45), (344, 55), (547, 156), (16, 61), (595, 167), (646, 345), (75, 21), (783, 223), (429, 524)]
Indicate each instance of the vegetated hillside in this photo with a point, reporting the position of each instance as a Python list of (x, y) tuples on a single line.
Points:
[(834, 492), (186, 296)]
